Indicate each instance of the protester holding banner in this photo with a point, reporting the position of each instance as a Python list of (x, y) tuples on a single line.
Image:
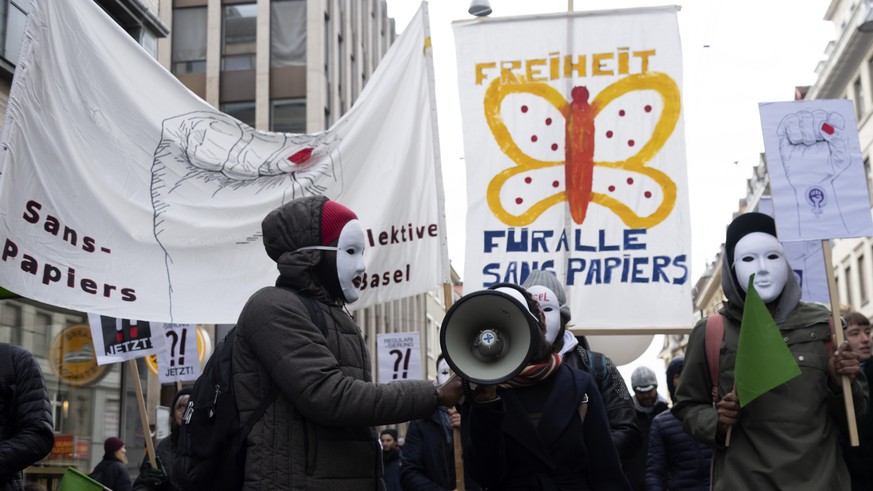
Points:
[(860, 459), (544, 429), (549, 292), (786, 438), (318, 432), (161, 479), (427, 463)]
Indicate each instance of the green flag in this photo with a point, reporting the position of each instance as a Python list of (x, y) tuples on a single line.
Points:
[(763, 359), (76, 481)]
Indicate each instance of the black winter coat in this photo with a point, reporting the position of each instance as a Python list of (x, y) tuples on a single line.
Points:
[(676, 461), (503, 450), (428, 461), (619, 405), (26, 426), (111, 473)]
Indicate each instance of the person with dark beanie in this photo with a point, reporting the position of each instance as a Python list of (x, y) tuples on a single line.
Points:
[(112, 470), (161, 478), (787, 437)]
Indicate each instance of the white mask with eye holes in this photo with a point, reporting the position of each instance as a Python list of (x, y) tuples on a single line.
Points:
[(762, 255), (552, 310), (443, 372), (350, 259)]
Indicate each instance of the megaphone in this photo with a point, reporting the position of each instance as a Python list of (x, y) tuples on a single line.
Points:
[(488, 336)]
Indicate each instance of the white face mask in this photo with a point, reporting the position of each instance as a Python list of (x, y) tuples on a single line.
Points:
[(350, 259), (443, 372), (552, 310), (762, 255)]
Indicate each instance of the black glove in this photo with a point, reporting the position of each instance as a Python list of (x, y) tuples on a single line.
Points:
[(150, 476)]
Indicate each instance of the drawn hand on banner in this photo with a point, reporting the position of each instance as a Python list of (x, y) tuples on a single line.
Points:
[(208, 159), (814, 153), (583, 152)]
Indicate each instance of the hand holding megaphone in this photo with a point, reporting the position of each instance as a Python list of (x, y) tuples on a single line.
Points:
[(451, 391)]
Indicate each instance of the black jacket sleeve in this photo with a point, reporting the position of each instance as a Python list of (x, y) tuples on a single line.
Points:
[(30, 428)]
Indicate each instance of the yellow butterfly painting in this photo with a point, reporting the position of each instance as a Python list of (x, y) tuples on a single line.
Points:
[(582, 151)]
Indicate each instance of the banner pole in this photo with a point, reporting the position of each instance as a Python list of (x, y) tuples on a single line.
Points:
[(838, 333), (448, 295), (150, 447)]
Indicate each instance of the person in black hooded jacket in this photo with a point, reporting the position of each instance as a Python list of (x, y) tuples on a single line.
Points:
[(161, 479), (26, 426), (112, 470), (675, 461)]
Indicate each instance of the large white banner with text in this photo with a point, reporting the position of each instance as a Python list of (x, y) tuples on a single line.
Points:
[(124, 194), (575, 153)]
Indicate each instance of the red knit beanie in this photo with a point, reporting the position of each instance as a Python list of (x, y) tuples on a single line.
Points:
[(334, 217)]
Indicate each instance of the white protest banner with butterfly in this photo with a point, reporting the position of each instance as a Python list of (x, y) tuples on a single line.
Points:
[(575, 152)]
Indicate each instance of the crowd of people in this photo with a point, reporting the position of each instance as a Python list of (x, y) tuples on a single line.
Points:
[(565, 421)]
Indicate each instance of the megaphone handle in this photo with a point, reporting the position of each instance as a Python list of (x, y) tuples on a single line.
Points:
[(459, 459)]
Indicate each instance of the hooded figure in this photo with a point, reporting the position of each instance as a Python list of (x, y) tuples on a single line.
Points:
[(787, 437), (161, 479), (318, 434), (548, 291)]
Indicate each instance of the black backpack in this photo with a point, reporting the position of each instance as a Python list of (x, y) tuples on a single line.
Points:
[(210, 452)]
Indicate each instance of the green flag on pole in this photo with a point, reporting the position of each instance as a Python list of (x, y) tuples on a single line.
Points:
[(763, 359), (77, 481)]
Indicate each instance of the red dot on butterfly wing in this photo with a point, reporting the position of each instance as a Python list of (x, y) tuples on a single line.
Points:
[(528, 180), (609, 134), (630, 180), (533, 138), (621, 112), (555, 184), (301, 155), (631, 143), (611, 188), (519, 201), (648, 108), (554, 146), (524, 109), (647, 194), (548, 121)]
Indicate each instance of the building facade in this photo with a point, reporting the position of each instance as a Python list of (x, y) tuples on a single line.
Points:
[(280, 65)]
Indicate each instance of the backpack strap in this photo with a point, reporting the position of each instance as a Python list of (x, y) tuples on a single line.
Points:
[(712, 345), (598, 365), (316, 315)]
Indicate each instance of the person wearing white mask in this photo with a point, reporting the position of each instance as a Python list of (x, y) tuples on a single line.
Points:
[(787, 437), (549, 292), (428, 460), (318, 433), (543, 429)]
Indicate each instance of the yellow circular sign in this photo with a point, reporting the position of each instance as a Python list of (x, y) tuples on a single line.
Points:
[(73, 359), (203, 343)]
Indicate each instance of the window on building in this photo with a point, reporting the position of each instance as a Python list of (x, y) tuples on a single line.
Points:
[(862, 288), (238, 37), (14, 16), (189, 40), (41, 332), (858, 90), (10, 323), (869, 176), (850, 299), (243, 111), (288, 115), (287, 33)]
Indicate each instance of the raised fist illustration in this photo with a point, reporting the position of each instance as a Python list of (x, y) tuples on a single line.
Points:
[(214, 178), (814, 153)]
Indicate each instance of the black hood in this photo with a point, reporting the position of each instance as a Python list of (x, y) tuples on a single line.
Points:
[(673, 368), (286, 229)]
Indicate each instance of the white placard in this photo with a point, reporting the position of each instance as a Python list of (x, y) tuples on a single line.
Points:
[(117, 340), (180, 361), (399, 356)]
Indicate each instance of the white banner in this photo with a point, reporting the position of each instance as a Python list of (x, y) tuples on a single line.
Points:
[(399, 356), (117, 340), (124, 194), (817, 176), (180, 361), (575, 152)]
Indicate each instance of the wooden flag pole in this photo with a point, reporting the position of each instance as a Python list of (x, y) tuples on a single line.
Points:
[(838, 333), (150, 446), (448, 294)]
